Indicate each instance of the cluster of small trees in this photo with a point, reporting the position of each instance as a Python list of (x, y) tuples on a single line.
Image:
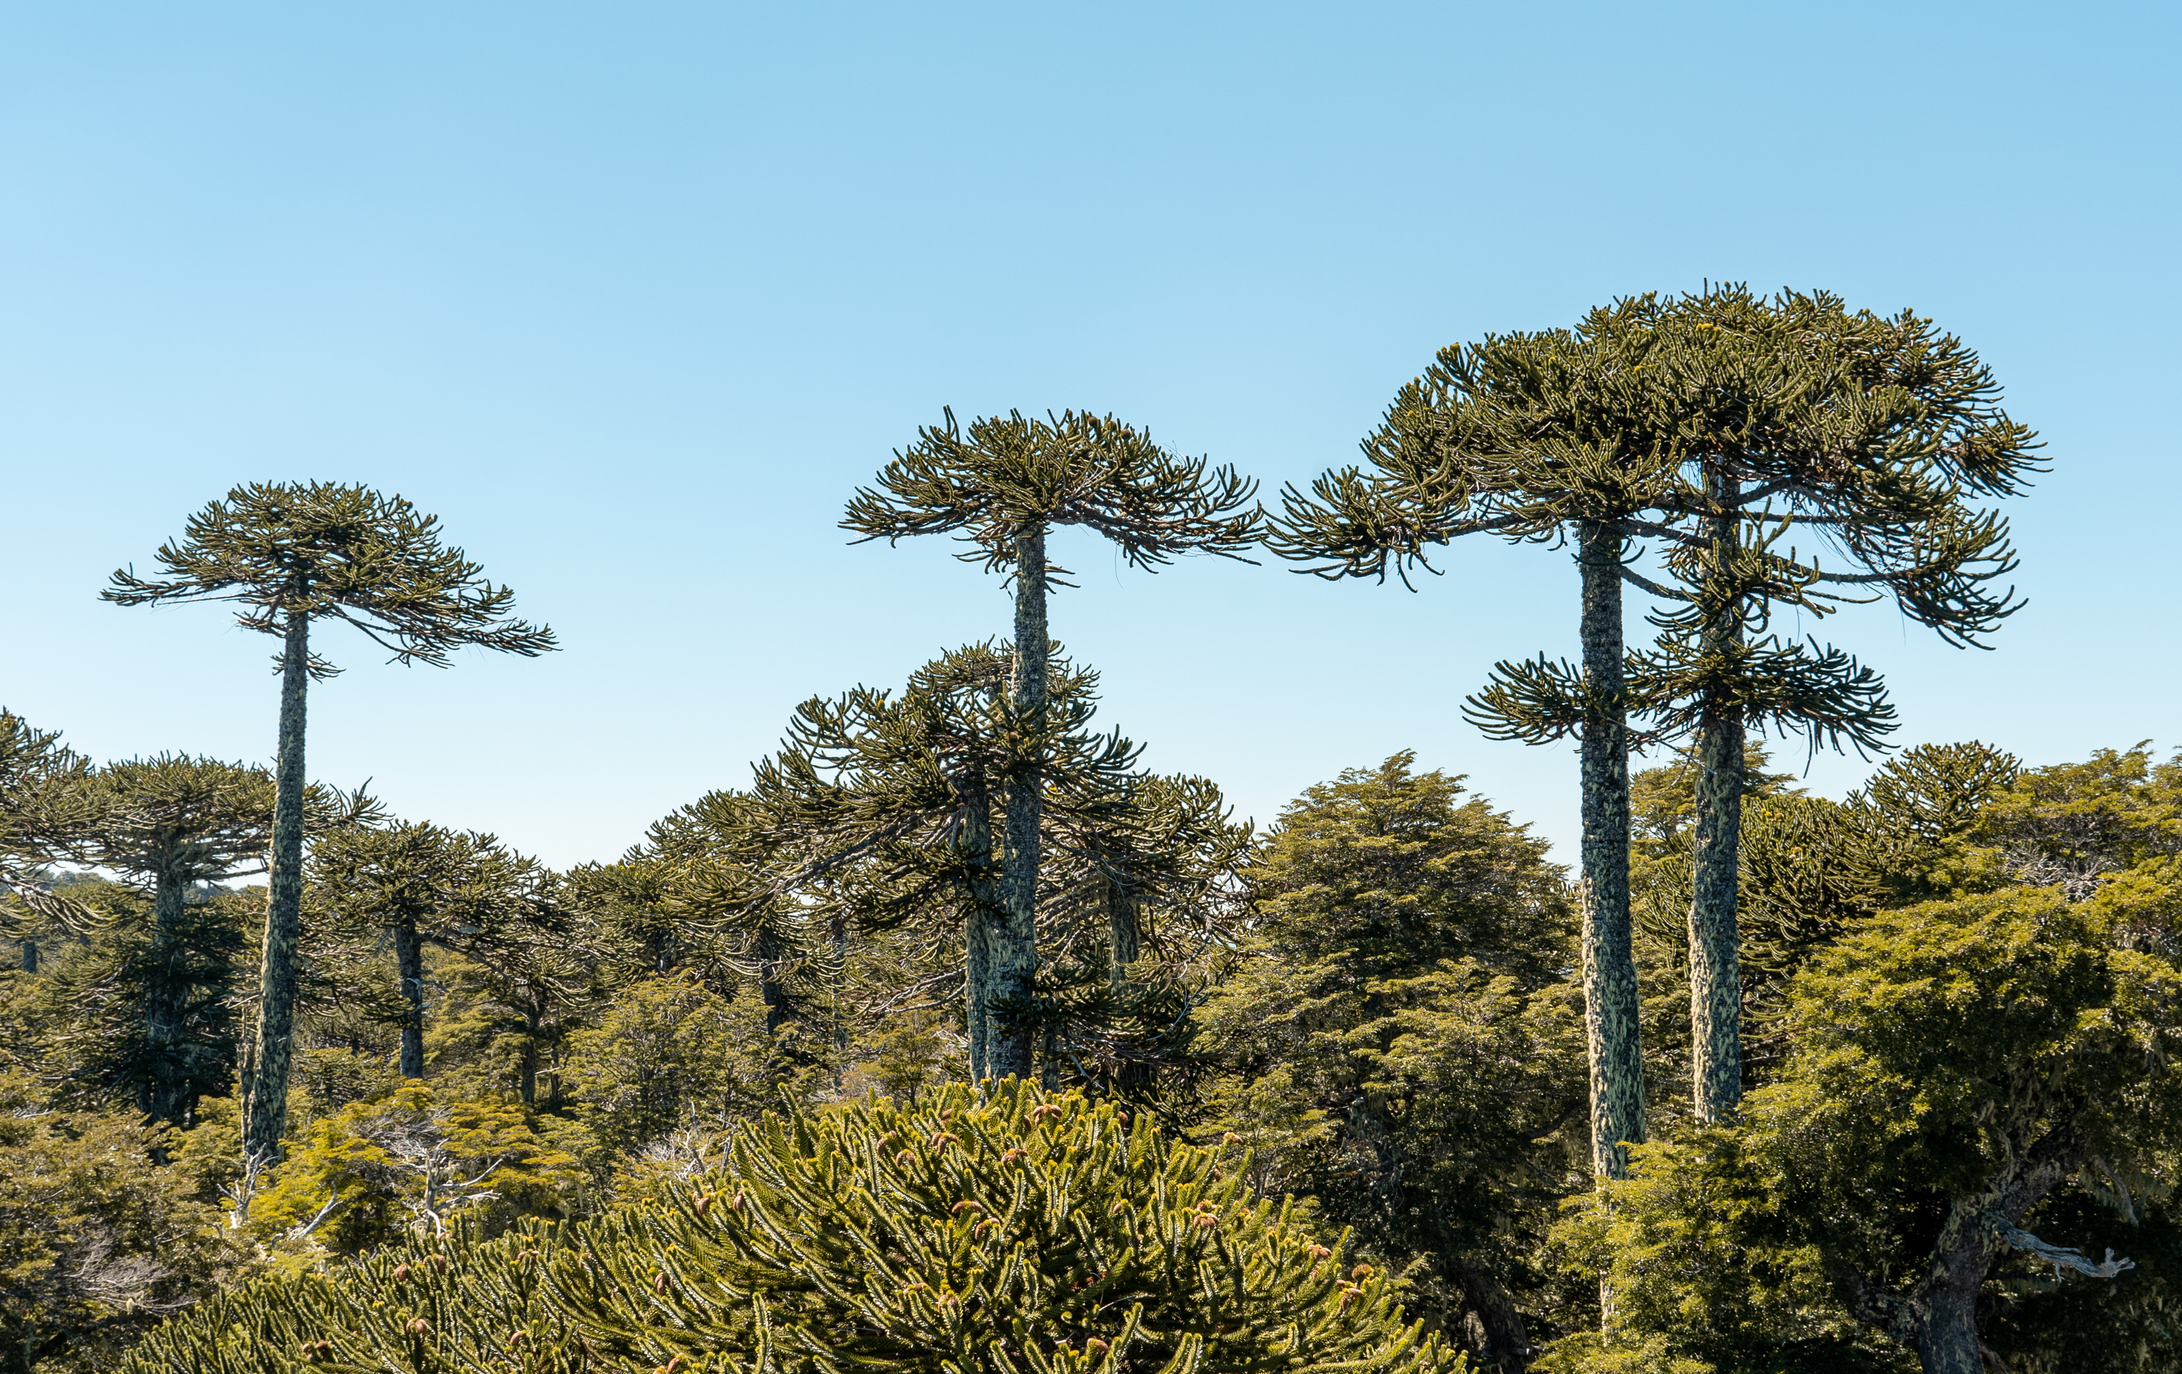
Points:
[(1946, 998)]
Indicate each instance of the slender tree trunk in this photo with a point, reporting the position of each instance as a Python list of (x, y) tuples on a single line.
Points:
[(165, 1095), (1611, 1024), (1716, 988), (1012, 1032), (527, 1084), (265, 1108), (409, 958), (770, 991), (974, 850), (30, 956)]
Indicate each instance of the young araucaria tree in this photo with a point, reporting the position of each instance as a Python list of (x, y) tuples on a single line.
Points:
[(173, 823), (287, 554), (422, 884), (44, 808), (1001, 487), (1876, 433), (1533, 438)]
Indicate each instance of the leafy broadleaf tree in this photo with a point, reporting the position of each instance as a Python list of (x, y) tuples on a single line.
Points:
[(288, 554), (1001, 486)]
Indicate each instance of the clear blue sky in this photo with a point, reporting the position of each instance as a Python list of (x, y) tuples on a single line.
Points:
[(634, 295)]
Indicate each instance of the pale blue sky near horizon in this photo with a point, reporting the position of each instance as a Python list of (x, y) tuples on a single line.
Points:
[(635, 296)]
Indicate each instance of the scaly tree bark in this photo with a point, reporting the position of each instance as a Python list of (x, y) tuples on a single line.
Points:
[(1002, 487), (1611, 1001), (1877, 433), (289, 553), (1531, 437)]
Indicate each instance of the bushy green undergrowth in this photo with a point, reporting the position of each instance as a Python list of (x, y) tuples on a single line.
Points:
[(1013, 1231)]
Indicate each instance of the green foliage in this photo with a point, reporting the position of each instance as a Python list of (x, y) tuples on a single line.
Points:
[(327, 549), (1952, 1067), (1387, 869), (1010, 475), (1395, 1039), (133, 976), (97, 1242), (1018, 1231), (671, 1055), (412, 1161), (452, 1304)]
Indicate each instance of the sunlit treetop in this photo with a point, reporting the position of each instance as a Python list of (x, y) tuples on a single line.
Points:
[(325, 549), (1009, 476)]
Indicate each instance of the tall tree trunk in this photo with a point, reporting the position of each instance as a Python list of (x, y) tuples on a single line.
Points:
[(165, 1094), (30, 956), (265, 1108), (409, 958), (1011, 1033), (1716, 989), (973, 843), (1611, 1026)]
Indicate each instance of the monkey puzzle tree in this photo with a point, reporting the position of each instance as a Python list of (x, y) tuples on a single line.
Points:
[(1878, 433), (289, 553), (1534, 437), (43, 809), (174, 823), (422, 884), (1001, 487), (887, 803)]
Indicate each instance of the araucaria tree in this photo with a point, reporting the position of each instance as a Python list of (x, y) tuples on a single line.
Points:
[(422, 884), (171, 824), (1877, 433), (1001, 486), (287, 554), (1542, 437)]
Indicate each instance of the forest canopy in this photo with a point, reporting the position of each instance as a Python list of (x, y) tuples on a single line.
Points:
[(954, 1037)]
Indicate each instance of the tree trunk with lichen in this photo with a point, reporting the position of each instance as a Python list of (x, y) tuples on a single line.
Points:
[(1611, 1022), (1011, 1030), (1716, 989), (409, 962), (973, 846), (165, 1095), (265, 1107)]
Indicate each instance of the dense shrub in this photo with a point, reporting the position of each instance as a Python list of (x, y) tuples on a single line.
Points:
[(1017, 1231)]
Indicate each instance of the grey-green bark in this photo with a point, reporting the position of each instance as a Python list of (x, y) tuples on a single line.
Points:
[(1716, 1064), (771, 994), (409, 961), (973, 840), (265, 1107), (166, 1095), (1611, 1024), (1011, 1031)]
